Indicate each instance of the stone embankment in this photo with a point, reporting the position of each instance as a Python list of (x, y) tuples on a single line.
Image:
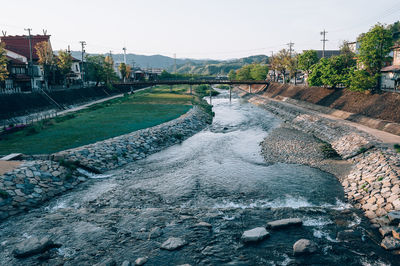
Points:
[(372, 183), (36, 181)]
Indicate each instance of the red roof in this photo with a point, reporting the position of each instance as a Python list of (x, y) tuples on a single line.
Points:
[(20, 44)]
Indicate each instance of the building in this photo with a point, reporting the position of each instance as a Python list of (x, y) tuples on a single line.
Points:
[(24, 46), (390, 75), (328, 53)]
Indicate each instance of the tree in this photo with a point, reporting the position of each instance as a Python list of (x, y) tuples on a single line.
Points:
[(280, 62), (244, 73), (232, 74), (128, 72), (307, 60), (3, 63), (96, 68), (258, 71), (361, 80), (46, 59), (64, 63), (123, 70), (374, 48)]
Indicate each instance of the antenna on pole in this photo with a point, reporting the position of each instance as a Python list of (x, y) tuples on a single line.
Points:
[(290, 44), (44, 32), (323, 33), (4, 33)]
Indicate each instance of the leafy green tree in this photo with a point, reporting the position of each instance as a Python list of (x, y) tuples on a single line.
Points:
[(3, 63), (244, 73), (96, 68), (330, 72), (258, 72), (374, 48), (64, 63), (232, 74), (361, 80), (307, 60)]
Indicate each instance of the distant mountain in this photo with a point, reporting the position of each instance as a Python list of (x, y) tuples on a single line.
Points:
[(192, 66), (156, 61), (219, 67)]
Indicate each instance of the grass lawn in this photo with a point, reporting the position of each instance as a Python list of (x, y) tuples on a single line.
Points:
[(102, 121)]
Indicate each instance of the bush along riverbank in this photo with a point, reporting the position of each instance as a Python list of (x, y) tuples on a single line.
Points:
[(369, 173), (36, 181)]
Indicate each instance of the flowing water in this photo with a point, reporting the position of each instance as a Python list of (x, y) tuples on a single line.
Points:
[(217, 176)]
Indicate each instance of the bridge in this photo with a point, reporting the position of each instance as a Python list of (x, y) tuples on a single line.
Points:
[(141, 84)]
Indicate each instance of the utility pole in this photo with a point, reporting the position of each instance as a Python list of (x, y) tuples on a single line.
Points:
[(272, 56), (124, 54), (323, 33), (290, 44), (83, 43), (30, 55)]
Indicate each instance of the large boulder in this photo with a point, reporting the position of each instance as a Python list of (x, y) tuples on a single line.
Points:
[(33, 246), (285, 223), (304, 246), (254, 235)]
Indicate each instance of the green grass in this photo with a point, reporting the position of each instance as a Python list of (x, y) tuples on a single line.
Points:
[(102, 121), (397, 147)]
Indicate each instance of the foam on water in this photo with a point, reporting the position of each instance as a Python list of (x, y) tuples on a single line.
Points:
[(92, 175)]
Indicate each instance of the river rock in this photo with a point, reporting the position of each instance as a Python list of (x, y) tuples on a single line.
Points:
[(386, 230), (396, 233), (126, 263), (304, 246), (155, 232), (173, 243), (285, 223), (203, 224), (394, 217), (141, 261), (33, 246), (254, 235), (390, 243)]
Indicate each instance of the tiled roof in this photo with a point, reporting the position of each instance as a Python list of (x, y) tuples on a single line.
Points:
[(20, 44)]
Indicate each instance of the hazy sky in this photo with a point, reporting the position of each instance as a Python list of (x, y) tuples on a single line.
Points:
[(218, 29)]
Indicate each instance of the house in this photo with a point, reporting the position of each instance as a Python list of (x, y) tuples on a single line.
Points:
[(25, 46), (18, 79), (390, 75)]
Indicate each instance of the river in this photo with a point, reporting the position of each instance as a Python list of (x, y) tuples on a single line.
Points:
[(216, 176)]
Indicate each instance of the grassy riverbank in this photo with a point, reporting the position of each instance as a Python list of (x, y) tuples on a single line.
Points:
[(143, 109)]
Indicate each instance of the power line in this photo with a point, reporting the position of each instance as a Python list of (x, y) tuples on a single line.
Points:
[(290, 44), (83, 43), (30, 54)]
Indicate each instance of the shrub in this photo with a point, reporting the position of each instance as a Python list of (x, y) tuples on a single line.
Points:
[(329, 152), (397, 147), (361, 80)]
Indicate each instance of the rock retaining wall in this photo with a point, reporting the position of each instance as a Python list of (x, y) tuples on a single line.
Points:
[(373, 184), (36, 181)]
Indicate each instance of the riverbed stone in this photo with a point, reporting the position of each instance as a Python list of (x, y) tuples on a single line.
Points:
[(254, 235), (33, 246), (304, 246), (394, 217), (173, 243), (390, 243), (278, 224), (141, 261)]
